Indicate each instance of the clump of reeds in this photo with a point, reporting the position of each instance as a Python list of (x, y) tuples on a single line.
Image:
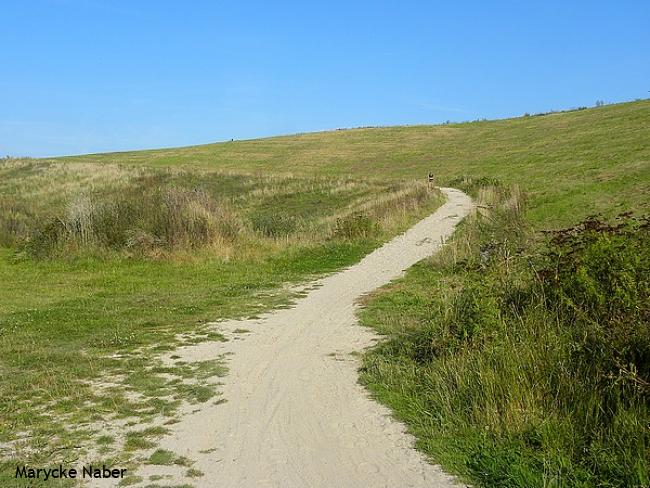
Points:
[(139, 220), (16, 221)]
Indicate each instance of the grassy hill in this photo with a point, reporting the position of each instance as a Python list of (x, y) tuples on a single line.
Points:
[(571, 164)]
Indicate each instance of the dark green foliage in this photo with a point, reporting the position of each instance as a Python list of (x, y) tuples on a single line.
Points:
[(472, 316), (597, 278), (599, 272)]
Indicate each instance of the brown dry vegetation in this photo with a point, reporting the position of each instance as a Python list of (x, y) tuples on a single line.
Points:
[(53, 208)]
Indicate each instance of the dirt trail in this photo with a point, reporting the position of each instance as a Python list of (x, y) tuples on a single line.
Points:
[(295, 415)]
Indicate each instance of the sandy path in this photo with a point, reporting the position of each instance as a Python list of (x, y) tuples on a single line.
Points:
[(295, 415)]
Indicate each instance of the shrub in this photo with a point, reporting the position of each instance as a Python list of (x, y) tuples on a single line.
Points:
[(597, 277), (355, 226), (472, 317), (142, 219), (16, 220), (274, 224), (524, 363), (472, 184)]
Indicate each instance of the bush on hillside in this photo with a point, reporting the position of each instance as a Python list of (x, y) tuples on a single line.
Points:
[(468, 324), (529, 358), (355, 226), (471, 184), (597, 278), (142, 220), (274, 225), (16, 220)]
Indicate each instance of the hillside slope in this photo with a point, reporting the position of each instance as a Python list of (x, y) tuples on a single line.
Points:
[(572, 164)]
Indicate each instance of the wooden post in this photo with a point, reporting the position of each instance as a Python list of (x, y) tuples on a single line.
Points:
[(430, 178)]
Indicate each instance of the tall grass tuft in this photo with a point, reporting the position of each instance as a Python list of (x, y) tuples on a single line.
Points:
[(16, 221), (143, 220)]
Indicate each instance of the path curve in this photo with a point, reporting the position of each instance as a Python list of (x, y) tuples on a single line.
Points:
[(295, 414)]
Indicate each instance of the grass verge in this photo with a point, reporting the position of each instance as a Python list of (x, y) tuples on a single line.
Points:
[(519, 359)]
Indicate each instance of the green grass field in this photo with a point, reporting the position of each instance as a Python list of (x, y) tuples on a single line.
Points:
[(109, 260)]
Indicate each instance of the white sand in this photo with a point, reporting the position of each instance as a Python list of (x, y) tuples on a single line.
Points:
[(295, 414)]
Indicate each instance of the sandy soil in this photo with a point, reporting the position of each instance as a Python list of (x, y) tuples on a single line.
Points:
[(295, 415)]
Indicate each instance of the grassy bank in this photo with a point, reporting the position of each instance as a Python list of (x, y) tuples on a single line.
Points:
[(519, 359), (104, 268), (571, 164)]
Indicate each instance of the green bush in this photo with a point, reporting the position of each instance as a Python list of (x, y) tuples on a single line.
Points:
[(274, 224), (471, 319), (471, 184), (141, 219), (520, 361), (597, 277), (355, 226)]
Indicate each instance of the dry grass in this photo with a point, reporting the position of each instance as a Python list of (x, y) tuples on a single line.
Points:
[(62, 209)]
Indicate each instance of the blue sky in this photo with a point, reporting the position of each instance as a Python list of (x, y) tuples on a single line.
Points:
[(83, 76)]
